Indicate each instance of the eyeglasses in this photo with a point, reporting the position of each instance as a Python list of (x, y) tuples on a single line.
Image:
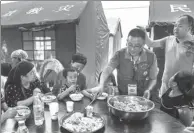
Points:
[(134, 47)]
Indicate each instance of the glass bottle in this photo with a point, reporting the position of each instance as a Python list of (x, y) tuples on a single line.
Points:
[(22, 127)]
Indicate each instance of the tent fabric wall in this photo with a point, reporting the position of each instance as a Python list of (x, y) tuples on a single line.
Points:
[(114, 25), (13, 39), (92, 39), (65, 42), (102, 42), (85, 39)]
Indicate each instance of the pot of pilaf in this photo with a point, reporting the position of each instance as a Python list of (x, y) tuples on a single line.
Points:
[(130, 107)]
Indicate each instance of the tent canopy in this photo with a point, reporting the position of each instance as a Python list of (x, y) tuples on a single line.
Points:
[(27, 12), (166, 12), (113, 25)]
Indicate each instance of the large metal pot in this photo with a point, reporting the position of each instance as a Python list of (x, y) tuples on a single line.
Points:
[(130, 115)]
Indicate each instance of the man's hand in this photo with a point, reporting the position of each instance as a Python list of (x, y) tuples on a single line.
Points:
[(147, 94), (95, 90), (10, 113), (87, 94), (142, 28)]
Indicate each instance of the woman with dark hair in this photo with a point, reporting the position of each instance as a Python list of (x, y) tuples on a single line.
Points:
[(22, 82), (179, 96)]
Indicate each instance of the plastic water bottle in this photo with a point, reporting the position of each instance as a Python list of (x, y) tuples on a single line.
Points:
[(111, 91), (38, 109)]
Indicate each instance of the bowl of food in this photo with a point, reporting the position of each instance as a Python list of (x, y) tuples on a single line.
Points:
[(23, 112), (130, 107), (76, 122), (102, 96), (76, 96), (48, 98)]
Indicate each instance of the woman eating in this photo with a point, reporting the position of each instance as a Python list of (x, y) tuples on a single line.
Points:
[(22, 82)]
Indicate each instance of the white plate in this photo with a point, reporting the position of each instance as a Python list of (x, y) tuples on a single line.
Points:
[(103, 96)]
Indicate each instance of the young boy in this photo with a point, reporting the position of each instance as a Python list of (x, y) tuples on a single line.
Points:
[(179, 94), (70, 75)]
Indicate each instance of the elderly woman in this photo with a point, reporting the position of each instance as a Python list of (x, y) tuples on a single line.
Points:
[(177, 100), (51, 73), (16, 57), (21, 83)]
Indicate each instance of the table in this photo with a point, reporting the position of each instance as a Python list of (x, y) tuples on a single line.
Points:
[(157, 121)]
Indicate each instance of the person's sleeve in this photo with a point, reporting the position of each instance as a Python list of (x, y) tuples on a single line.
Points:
[(2, 99), (154, 69), (12, 96), (114, 62)]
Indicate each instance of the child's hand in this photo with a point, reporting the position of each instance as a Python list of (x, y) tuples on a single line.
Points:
[(72, 88)]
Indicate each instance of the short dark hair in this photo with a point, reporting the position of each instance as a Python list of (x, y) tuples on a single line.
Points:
[(136, 32), (190, 21), (79, 58), (5, 69), (185, 83), (66, 70)]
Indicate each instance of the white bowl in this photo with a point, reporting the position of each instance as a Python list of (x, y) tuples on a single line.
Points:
[(103, 96), (76, 96)]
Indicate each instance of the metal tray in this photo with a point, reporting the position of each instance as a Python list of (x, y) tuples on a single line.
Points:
[(94, 114)]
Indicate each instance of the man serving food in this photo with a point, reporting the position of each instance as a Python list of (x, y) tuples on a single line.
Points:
[(136, 66)]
